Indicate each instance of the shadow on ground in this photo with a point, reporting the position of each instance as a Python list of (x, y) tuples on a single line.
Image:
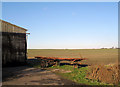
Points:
[(9, 73), (79, 65)]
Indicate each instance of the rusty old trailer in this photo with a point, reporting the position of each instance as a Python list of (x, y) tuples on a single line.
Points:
[(48, 61)]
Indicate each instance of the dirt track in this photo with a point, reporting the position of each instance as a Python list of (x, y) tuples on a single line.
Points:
[(32, 76)]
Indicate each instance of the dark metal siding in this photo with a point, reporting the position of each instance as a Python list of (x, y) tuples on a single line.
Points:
[(14, 48)]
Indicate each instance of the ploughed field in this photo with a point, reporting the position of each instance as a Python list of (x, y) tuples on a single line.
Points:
[(94, 56)]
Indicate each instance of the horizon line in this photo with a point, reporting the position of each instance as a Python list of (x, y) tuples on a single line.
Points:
[(113, 47)]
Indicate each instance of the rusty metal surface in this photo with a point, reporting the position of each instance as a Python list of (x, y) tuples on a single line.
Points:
[(57, 58)]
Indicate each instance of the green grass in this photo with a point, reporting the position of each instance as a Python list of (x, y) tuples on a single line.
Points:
[(77, 75), (95, 56)]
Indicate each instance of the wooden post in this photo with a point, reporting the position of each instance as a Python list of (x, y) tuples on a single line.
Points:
[(46, 63), (57, 62)]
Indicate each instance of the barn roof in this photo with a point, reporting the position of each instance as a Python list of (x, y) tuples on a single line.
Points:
[(13, 25)]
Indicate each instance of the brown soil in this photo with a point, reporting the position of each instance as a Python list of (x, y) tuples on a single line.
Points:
[(105, 74), (32, 76)]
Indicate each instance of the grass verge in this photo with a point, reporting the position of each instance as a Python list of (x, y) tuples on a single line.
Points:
[(76, 75)]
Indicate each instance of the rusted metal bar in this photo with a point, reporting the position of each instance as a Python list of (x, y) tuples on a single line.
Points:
[(57, 58)]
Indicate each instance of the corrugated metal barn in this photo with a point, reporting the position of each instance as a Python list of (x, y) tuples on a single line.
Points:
[(14, 44)]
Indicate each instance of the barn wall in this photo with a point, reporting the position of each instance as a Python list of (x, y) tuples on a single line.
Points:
[(14, 45), (14, 48), (8, 27)]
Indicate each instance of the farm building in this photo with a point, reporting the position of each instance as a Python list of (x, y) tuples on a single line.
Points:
[(14, 44)]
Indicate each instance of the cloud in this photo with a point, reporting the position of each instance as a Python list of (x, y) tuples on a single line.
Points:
[(45, 8), (74, 13)]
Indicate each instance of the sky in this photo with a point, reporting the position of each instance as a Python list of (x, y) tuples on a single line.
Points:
[(65, 25)]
